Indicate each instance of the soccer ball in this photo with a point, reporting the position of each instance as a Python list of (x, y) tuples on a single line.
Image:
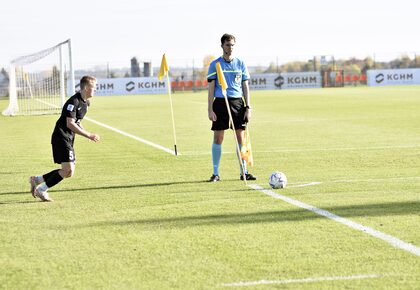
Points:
[(277, 180)]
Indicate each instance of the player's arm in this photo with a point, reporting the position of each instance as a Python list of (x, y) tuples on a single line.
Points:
[(212, 87), (247, 98), (72, 125)]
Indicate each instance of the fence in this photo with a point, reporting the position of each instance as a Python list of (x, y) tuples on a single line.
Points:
[(190, 74)]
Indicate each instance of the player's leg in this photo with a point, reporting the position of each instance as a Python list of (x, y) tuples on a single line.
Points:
[(238, 113), (218, 127), (216, 153), (240, 137), (67, 169), (49, 179), (63, 153), (56, 176)]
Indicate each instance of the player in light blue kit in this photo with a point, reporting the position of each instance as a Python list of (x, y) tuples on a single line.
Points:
[(237, 76)]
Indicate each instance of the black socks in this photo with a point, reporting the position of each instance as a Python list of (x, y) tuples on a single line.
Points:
[(52, 178)]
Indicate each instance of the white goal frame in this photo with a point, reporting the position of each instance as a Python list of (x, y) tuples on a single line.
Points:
[(40, 92)]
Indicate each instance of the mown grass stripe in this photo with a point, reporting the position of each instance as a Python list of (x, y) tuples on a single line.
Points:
[(370, 231), (303, 280)]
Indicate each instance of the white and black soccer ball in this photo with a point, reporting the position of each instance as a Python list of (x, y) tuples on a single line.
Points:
[(277, 180)]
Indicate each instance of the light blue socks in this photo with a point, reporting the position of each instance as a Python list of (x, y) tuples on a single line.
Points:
[(243, 162), (216, 152)]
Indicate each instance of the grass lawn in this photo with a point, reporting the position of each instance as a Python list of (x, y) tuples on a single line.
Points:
[(136, 217)]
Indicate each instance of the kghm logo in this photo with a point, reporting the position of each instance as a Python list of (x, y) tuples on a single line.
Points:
[(279, 81), (394, 77), (99, 86), (104, 87), (129, 86), (301, 80), (258, 81), (144, 85), (399, 77), (150, 85), (379, 78)]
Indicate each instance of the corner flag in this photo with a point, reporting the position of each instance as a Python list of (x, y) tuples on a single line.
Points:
[(221, 77), (164, 69), (246, 151)]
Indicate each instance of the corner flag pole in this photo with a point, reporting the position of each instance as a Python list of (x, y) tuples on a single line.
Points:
[(223, 84), (164, 69), (248, 148), (172, 112)]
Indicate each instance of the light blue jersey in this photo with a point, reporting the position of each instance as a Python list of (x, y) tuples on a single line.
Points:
[(235, 73)]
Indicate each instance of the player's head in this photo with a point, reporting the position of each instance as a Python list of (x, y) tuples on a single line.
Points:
[(87, 80), (228, 42), (227, 37), (88, 86)]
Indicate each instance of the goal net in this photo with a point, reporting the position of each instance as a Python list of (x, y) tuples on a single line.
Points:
[(37, 82)]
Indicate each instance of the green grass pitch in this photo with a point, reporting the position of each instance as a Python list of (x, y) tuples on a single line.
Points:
[(136, 217)]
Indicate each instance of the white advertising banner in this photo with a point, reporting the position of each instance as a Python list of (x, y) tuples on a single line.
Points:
[(300, 80), (128, 86), (393, 77), (297, 80), (262, 81)]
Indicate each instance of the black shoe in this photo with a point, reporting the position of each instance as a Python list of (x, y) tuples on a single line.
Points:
[(248, 176), (214, 178)]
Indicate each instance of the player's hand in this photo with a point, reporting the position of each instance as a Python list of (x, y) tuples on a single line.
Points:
[(247, 116), (94, 137), (212, 116)]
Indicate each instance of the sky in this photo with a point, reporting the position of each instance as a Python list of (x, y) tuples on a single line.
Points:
[(112, 32)]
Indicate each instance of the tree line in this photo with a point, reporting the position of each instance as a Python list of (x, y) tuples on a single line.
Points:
[(351, 65)]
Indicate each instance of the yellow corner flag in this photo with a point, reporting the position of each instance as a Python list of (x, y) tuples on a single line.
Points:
[(164, 69), (221, 77), (246, 151)]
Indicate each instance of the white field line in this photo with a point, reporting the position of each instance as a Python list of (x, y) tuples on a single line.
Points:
[(303, 280), (374, 179), (343, 148), (194, 153), (304, 184), (48, 103), (370, 231), (157, 146)]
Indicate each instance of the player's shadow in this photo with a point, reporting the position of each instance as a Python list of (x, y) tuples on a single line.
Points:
[(128, 186), (103, 188), (19, 202), (369, 210)]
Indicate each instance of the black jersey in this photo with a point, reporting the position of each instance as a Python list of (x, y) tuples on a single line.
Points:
[(76, 108)]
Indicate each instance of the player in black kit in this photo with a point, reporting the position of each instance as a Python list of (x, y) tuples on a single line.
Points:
[(62, 139)]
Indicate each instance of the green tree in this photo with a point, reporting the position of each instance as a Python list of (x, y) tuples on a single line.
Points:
[(272, 68), (401, 62), (206, 63), (369, 64), (416, 62)]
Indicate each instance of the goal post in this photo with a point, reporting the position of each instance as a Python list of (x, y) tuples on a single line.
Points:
[(37, 82)]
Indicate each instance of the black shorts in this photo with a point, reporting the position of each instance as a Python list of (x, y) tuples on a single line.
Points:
[(63, 151), (237, 109)]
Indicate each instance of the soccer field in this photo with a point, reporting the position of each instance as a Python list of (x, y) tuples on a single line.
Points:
[(137, 217)]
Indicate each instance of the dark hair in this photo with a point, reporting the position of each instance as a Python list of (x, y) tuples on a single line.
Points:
[(227, 37), (86, 80)]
